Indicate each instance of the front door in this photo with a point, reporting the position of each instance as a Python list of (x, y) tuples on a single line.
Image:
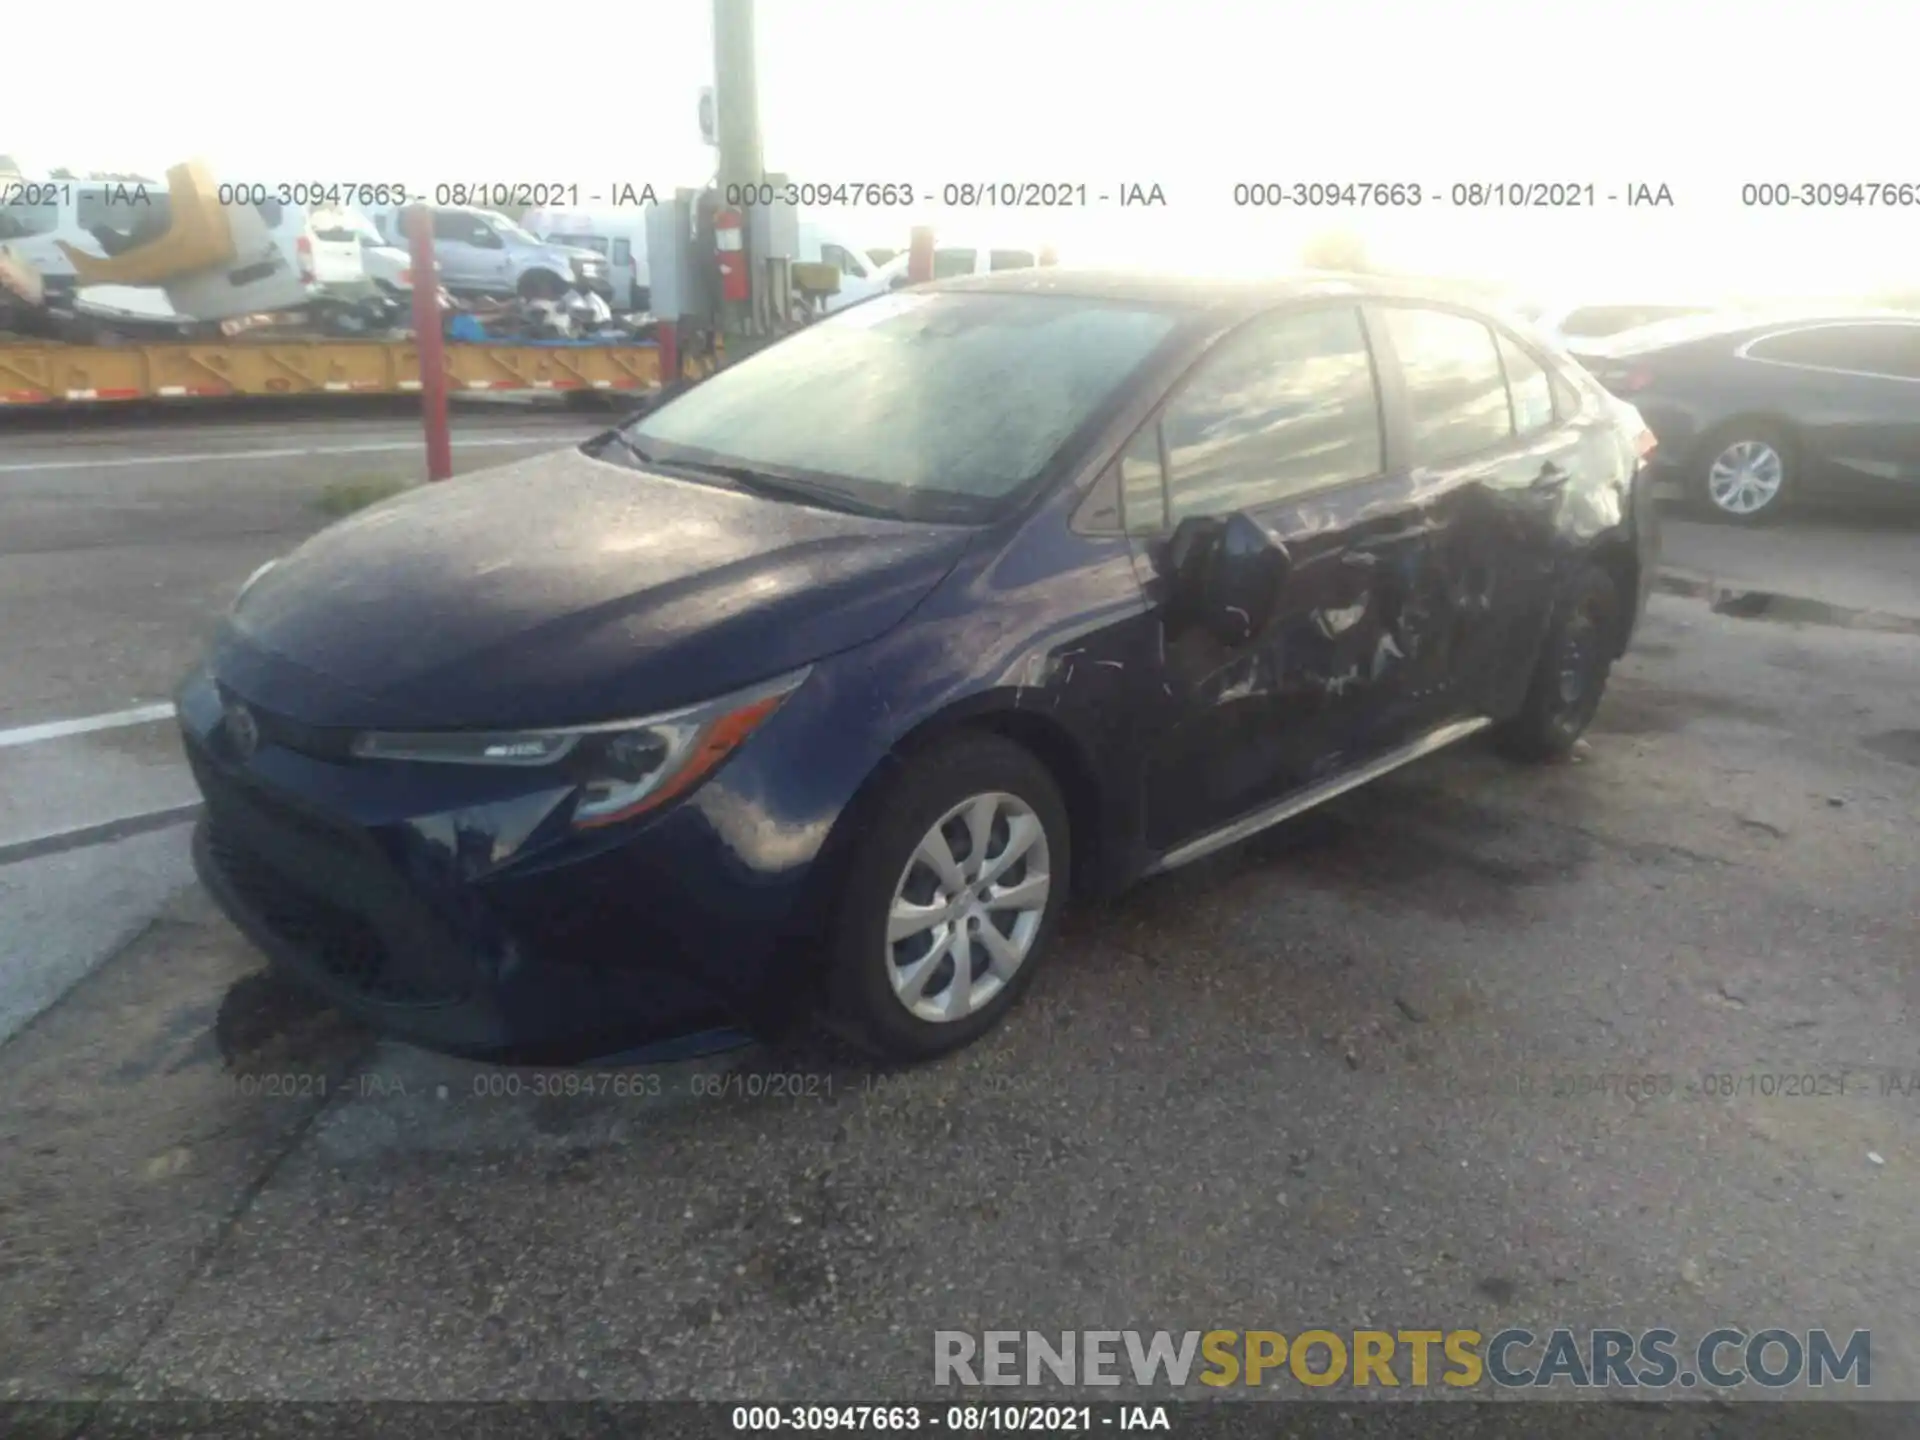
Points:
[(1281, 421)]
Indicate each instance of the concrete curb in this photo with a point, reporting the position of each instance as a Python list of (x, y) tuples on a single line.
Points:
[(1732, 597)]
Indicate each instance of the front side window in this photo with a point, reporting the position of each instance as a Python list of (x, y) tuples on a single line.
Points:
[(842, 259), (942, 405), (1143, 490), (1456, 390), (1010, 260), (1284, 406)]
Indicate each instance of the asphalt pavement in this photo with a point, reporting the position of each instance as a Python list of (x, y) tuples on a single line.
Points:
[(1367, 1069)]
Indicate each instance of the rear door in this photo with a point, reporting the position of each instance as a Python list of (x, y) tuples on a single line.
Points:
[(1491, 465), (471, 255), (1282, 421), (336, 239)]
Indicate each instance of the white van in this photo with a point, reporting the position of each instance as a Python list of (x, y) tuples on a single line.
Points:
[(621, 236), (326, 255), (105, 219), (388, 266), (952, 260)]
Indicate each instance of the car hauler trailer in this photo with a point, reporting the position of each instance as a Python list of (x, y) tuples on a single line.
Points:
[(50, 374)]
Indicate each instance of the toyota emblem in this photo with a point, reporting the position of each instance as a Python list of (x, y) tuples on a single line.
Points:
[(243, 730)]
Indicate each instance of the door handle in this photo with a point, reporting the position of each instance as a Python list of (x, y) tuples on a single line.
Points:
[(1551, 477)]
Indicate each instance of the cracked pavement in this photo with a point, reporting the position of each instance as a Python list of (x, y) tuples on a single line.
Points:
[(1358, 1071)]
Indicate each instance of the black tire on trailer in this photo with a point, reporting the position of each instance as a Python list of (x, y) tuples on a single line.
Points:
[(542, 285)]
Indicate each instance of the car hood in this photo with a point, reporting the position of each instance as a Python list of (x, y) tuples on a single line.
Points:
[(565, 590)]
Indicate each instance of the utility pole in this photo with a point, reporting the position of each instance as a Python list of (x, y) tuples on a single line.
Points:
[(736, 97)]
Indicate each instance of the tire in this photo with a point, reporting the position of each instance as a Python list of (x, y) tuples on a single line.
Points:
[(1571, 674), (1745, 473), (541, 285), (871, 979)]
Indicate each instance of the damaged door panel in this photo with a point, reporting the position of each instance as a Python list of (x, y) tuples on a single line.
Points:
[(1493, 465), (1278, 432)]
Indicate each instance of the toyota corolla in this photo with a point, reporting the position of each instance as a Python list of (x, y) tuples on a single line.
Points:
[(821, 687)]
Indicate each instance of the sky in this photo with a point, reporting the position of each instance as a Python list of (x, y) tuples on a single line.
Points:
[(1193, 96)]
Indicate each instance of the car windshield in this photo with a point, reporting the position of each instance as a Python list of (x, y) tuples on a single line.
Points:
[(512, 230), (925, 406)]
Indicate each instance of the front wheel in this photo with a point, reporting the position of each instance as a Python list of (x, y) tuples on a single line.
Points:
[(1571, 673), (541, 285), (951, 899)]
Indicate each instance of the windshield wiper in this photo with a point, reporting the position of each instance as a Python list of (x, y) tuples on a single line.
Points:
[(619, 437), (780, 487)]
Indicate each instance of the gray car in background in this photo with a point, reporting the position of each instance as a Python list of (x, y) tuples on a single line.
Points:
[(482, 252)]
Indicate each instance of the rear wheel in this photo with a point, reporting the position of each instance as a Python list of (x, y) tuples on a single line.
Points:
[(1745, 473), (951, 899), (1571, 674)]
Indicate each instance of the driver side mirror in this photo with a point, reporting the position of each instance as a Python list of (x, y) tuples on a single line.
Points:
[(1227, 573)]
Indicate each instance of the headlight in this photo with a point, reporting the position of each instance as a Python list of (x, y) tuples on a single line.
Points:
[(623, 768)]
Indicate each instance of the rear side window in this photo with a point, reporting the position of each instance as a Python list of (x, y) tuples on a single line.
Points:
[(1528, 388), (271, 213), (1892, 350), (1284, 406), (1010, 259), (622, 252), (1456, 389)]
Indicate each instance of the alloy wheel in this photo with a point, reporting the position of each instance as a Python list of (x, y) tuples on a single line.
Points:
[(1746, 477), (967, 908)]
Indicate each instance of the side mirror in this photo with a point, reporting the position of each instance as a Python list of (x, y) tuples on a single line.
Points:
[(1227, 574)]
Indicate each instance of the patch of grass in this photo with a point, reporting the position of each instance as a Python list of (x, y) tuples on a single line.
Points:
[(343, 497)]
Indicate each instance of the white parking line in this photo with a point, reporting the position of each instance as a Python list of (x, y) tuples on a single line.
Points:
[(201, 458), (60, 729)]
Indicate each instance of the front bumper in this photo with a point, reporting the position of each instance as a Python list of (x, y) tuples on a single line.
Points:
[(378, 890)]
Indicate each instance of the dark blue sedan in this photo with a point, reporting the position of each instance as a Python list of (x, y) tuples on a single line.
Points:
[(823, 685)]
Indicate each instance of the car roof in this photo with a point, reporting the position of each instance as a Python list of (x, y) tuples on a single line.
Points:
[(1203, 293)]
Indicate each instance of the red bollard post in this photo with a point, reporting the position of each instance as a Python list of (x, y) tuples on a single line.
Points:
[(920, 255), (427, 340), (669, 337)]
